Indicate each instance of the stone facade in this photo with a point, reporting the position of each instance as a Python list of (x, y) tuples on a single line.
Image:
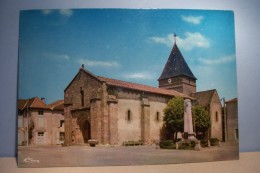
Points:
[(110, 113), (232, 120), (211, 102), (44, 125), (86, 110), (113, 111), (215, 110), (181, 84)]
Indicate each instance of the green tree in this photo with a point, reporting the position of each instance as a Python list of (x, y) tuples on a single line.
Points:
[(173, 117), (201, 118)]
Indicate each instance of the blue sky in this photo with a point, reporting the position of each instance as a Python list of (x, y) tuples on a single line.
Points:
[(130, 45)]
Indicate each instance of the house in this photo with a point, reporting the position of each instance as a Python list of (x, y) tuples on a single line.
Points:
[(39, 123), (232, 120), (211, 102)]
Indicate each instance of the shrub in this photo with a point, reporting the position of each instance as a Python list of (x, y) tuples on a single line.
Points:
[(167, 144), (204, 143), (188, 145), (192, 144), (214, 141), (132, 143)]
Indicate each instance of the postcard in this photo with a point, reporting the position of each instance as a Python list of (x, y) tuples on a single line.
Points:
[(113, 87)]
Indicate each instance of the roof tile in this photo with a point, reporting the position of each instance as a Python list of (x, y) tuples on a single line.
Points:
[(176, 66), (57, 105), (204, 97), (140, 87)]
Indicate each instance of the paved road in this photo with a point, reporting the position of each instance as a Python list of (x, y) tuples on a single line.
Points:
[(56, 156)]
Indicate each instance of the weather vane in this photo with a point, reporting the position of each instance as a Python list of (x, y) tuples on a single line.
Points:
[(174, 38)]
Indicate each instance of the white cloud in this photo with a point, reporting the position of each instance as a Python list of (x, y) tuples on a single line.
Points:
[(169, 40), (216, 61), (94, 63), (57, 56), (191, 40), (63, 12), (138, 75), (192, 19)]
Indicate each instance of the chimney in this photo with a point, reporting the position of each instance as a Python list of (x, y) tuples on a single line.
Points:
[(82, 65), (43, 99)]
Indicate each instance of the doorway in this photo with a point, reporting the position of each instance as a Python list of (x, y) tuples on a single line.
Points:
[(86, 131)]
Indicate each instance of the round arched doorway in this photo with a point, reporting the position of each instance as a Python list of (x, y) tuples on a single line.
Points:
[(86, 131)]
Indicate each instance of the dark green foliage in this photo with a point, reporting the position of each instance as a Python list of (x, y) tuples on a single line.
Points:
[(173, 116), (187, 145), (132, 143), (182, 145), (192, 144), (167, 144), (214, 141), (201, 118), (204, 143)]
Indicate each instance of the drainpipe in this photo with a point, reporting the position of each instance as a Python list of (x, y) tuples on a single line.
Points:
[(27, 113), (225, 118)]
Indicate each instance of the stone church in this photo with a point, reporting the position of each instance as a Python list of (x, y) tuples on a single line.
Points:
[(114, 111)]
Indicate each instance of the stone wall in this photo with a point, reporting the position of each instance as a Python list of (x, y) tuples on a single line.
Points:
[(44, 129), (95, 113), (216, 117), (156, 122), (145, 120), (144, 124), (82, 83), (232, 121), (57, 127), (84, 92), (41, 133), (113, 121), (184, 85), (115, 114), (129, 128)]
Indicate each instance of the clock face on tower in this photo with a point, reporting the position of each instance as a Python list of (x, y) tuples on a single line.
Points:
[(169, 80)]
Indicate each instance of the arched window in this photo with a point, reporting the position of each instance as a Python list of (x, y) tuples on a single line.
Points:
[(157, 116), (216, 116), (82, 96), (128, 115)]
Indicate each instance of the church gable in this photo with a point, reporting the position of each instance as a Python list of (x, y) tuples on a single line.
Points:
[(82, 88), (215, 98), (204, 98)]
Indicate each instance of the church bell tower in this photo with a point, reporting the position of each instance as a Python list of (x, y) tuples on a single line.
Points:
[(176, 74)]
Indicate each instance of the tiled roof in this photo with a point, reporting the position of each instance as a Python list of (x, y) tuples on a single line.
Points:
[(38, 103), (204, 97), (232, 100), (140, 87), (21, 103), (34, 102), (176, 66), (57, 105)]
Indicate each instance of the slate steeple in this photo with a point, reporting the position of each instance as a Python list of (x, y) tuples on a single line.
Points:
[(176, 74)]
